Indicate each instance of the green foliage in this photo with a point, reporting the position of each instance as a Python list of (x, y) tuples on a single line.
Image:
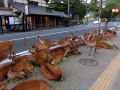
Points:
[(17, 13), (112, 5), (107, 12), (74, 22), (93, 6), (76, 7)]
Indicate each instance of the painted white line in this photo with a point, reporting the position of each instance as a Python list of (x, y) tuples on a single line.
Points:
[(35, 32), (30, 32), (49, 34)]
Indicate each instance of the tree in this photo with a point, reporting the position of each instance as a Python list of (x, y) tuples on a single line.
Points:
[(93, 6), (106, 14), (112, 5), (57, 5), (76, 7), (17, 13), (107, 11)]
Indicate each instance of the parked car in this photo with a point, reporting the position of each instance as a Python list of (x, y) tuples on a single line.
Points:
[(96, 21)]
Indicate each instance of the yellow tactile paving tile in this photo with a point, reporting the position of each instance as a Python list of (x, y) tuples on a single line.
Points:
[(104, 82)]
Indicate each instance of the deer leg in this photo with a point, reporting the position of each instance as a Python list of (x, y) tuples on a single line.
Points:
[(90, 51), (95, 52), (67, 50), (116, 47)]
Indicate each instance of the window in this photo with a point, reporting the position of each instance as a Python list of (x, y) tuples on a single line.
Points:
[(1, 3), (33, 3)]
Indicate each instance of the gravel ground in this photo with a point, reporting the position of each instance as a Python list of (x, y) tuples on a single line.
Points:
[(76, 75)]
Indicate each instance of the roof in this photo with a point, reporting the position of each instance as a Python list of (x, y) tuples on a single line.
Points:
[(38, 10), (6, 12)]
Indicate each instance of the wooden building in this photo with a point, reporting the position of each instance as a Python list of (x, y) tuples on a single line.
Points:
[(40, 16)]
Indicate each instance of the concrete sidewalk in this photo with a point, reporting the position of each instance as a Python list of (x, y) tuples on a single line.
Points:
[(102, 76)]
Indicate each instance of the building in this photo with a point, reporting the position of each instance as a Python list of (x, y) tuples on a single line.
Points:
[(34, 13), (39, 2), (38, 14), (5, 12)]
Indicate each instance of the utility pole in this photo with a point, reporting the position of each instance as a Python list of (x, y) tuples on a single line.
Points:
[(68, 2), (86, 12), (100, 8)]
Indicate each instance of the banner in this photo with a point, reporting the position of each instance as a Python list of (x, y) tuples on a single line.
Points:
[(26, 10), (115, 10)]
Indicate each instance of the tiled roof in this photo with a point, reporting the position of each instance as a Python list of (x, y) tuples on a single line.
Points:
[(38, 10)]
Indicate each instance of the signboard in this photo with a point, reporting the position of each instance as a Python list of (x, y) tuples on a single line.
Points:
[(26, 10), (16, 20), (115, 10), (11, 20)]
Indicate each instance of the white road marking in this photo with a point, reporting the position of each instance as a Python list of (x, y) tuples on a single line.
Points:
[(34, 32), (48, 34), (30, 32)]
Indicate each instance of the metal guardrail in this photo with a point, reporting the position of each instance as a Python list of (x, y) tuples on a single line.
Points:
[(18, 54)]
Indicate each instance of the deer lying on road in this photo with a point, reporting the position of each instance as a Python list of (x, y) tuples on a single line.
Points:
[(4, 70), (51, 72), (45, 42), (105, 45), (33, 85), (21, 70), (94, 42), (3, 86), (108, 34), (6, 49)]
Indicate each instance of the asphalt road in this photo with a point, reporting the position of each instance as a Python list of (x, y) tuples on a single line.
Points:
[(52, 34)]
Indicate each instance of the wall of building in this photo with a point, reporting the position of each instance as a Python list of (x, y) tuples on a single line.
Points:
[(1, 3), (40, 2), (20, 1), (6, 3)]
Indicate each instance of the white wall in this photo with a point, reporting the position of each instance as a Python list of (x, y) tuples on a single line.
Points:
[(21, 1), (6, 3), (40, 2)]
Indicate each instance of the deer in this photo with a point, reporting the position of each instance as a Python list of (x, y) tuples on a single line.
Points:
[(33, 85), (91, 41), (105, 45), (6, 49), (46, 42), (3, 86), (51, 72)]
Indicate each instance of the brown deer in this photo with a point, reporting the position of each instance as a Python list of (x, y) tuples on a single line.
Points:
[(21, 70), (106, 45), (51, 72), (6, 48), (91, 41), (33, 85), (3, 86)]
